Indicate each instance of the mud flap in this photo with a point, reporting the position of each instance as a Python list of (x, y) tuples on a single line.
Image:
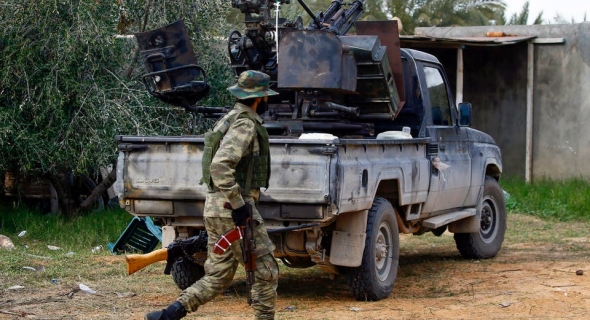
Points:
[(168, 235), (347, 248), (348, 240)]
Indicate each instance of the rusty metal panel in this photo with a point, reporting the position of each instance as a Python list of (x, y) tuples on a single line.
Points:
[(173, 74), (388, 34), (435, 41), (166, 48), (314, 59), (375, 81)]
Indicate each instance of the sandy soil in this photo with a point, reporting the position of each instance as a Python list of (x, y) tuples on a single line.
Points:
[(536, 275)]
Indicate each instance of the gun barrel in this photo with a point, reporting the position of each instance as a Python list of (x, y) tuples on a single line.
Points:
[(350, 17), (338, 107), (332, 10), (313, 16)]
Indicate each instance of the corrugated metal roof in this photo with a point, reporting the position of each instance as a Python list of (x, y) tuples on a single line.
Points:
[(473, 41)]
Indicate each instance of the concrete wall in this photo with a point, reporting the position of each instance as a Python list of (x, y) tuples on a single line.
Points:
[(495, 83), (496, 86)]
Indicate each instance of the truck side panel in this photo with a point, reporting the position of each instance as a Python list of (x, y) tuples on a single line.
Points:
[(300, 173), (364, 166)]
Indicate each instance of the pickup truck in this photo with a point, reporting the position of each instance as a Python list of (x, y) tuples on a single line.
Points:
[(365, 141), (339, 202)]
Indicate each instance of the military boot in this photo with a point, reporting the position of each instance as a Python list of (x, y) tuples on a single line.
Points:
[(175, 311)]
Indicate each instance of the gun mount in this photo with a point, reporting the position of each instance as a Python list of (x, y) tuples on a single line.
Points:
[(327, 81)]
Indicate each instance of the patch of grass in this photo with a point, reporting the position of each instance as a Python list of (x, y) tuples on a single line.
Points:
[(75, 237), (528, 228), (69, 233), (566, 200)]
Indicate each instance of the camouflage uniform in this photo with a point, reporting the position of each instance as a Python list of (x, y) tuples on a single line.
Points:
[(239, 140)]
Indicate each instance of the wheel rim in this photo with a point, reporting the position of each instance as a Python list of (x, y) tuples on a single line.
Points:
[(383, 245), (489, 220)]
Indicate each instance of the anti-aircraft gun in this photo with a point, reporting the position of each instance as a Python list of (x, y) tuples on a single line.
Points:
[(328, 81), (257, 48)]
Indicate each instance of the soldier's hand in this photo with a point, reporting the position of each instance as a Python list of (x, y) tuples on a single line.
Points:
[(174, 251), (240, 215)]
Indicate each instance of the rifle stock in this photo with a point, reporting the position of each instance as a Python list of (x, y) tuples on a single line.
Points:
[(136, 262)]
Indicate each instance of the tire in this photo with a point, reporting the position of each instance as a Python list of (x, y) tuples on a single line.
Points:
[(373, 280), (185, 273), (487, 242), (81, 188)]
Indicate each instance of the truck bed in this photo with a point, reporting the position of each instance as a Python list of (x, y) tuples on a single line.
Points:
[(310, 179)]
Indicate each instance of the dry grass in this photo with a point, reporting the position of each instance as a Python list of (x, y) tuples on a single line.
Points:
[(537, 261)]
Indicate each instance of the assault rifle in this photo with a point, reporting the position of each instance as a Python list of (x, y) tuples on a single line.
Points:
[(188, 247), (175, 250), (248, 246)]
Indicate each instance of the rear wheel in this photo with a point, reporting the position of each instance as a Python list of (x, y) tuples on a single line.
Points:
[(487, 242), (185, 273), (373, 280)]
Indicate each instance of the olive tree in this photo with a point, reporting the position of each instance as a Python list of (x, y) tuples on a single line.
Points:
[(70, 81)]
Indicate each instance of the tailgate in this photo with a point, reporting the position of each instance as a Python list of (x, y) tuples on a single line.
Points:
[(169, 168), (160, 168)]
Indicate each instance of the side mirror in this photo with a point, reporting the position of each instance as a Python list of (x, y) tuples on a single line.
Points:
[(464, 114)]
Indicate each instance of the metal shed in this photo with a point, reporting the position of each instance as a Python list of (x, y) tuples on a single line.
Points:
[(526, 84)]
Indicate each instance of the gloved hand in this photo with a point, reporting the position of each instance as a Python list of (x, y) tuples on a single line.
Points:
[(240, 215)]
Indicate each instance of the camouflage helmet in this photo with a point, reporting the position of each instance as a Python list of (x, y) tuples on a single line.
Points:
[(252, 84)]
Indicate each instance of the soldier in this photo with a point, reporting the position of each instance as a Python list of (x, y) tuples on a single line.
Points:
[(235, 173)]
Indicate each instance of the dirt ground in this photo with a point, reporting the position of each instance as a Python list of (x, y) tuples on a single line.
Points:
[(536, 275)]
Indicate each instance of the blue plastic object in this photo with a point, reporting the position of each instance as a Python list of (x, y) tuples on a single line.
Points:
[(140, 235)]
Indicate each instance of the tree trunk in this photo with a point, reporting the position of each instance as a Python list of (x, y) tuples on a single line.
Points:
[(63, 195), (100, 189)]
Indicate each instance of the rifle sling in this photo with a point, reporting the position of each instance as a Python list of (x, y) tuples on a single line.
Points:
[(248, 184)]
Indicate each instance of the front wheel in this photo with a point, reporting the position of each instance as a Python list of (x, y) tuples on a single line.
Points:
[(487, 242), (373, 280)]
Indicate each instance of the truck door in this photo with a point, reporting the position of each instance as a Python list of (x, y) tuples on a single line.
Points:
[(451, 172)]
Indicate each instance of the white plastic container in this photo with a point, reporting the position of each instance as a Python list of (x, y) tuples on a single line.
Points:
[(394, 135), (317, 136)]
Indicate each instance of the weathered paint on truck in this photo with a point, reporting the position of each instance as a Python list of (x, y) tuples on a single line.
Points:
[(311, 180)]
